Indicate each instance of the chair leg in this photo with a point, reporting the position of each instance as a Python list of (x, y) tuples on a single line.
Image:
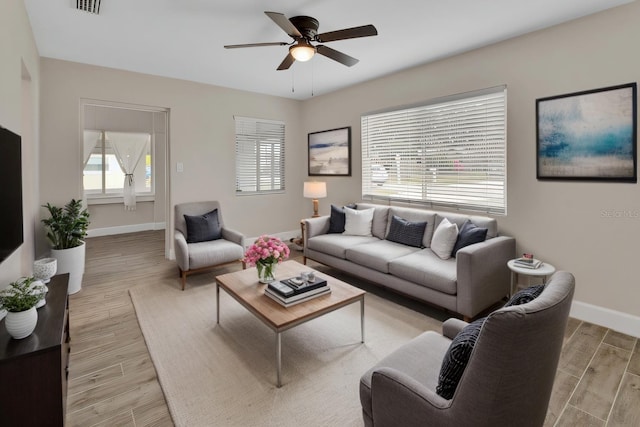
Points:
[(244, 265), (184, 279)]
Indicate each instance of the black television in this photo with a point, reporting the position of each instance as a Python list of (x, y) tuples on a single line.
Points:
[(11, 234)]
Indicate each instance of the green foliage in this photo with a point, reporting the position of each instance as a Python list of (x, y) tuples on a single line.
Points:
[(67, 226), (20, 295)]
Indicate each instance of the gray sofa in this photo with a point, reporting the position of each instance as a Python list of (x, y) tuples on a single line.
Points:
[(471, 282)]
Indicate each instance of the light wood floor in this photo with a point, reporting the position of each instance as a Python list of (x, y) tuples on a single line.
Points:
[(112, 381)]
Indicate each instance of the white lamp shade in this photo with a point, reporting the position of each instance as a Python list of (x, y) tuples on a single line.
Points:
[(315, 190)]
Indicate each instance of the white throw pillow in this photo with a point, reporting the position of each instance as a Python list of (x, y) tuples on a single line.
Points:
[(444, 238), (358, 222)]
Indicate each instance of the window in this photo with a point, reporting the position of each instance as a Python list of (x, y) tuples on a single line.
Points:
[(448, 152), (103, 176), (259, 156)]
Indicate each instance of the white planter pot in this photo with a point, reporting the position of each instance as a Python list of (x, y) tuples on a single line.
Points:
[(71, 261), (21, 324)]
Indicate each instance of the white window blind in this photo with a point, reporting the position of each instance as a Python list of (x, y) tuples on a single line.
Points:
[(259, 156), (449, 153)]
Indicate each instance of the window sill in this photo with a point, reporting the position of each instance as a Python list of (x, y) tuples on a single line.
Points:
[(114, 200)]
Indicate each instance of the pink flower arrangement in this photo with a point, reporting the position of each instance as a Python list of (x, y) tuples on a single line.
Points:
[(266, 250)]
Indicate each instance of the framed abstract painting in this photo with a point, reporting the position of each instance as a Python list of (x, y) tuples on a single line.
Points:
[(588, 135), (330, 152)]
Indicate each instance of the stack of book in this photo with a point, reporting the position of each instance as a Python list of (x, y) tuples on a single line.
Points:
[(293, 291), (527, 262)]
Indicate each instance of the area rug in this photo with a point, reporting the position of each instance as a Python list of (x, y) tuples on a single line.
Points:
[(224, 374)]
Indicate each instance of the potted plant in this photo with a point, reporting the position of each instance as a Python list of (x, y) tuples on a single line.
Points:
[(66, 230), (19, 299)]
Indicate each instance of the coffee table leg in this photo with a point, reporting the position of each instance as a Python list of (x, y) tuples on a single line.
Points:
[(362, 319), (217, 303), (278, 359)]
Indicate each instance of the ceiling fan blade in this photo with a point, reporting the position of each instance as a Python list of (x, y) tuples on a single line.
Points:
[(286, 63), (284, 23), (236, 46), (342, 58), (347, 33)]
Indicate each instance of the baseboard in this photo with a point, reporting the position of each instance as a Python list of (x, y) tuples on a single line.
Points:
[(123, 229), (616, 320)]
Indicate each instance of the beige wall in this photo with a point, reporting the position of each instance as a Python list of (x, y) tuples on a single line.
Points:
[(201, 135), (561, 222), (19, 93)]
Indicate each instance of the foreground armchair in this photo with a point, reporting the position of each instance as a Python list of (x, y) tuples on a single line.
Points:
[(508, 378), (201, 240)]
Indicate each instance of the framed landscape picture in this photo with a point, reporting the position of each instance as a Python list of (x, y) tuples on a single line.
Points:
[(330, 152), (588, 135)]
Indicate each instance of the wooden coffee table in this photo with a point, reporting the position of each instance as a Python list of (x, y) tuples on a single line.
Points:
[(243, 286)]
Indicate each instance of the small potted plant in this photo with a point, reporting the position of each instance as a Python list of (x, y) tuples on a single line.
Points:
[(66, 230), (19, 299)]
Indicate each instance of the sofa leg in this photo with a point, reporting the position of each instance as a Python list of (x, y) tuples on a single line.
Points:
[(304, 260), (467, 319)]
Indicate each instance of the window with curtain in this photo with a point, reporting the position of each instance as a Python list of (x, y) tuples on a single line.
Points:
[(259, 156), (449, 152), (110, 157)]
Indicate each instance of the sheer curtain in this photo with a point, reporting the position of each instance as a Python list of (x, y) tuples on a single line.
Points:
[(128, 148)]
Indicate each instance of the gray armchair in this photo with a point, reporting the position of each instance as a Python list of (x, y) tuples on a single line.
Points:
[(507, 381), (201, 256)]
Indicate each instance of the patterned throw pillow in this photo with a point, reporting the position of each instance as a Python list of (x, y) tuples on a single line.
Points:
[(337, 218), (406, 232), (203, 228), (469, 234), (456, 359), (525, 295)]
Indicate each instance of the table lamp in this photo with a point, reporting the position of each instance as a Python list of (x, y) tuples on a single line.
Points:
[(315, 190)]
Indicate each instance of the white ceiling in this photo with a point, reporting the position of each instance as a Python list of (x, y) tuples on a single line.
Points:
[(184, 38)]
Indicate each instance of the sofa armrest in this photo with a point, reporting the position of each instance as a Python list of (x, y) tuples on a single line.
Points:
[(181, 250), (399, 400), (483, 275), (315, 227), (233, 236), (451, 327)]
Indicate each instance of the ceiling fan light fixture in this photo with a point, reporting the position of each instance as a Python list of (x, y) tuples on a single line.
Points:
[(302, 51)]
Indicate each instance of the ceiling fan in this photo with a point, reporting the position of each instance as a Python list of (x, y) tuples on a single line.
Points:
[(304, 30)]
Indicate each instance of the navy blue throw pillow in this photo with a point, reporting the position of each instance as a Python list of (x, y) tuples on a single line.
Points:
[(203, 228), (337, 218), (456, 359), (406, 232), (525, 295), (468, 235)]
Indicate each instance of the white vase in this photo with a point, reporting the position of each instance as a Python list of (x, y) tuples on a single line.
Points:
[(22, 323), (71, 261), (44, 269)]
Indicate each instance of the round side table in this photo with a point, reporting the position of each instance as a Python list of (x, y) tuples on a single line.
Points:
[(543, 271)]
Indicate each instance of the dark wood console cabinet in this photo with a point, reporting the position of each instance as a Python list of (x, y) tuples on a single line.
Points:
[(33, 370)]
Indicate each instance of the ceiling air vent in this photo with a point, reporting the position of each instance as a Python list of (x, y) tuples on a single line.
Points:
[(91, 6)]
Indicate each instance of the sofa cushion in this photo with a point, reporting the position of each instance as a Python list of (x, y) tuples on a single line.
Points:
[(468, 235), (525, 295), (406, 232), (358, 222), (425, 267), (380, 219), (203, 228), (491, 224), (337, 244), (378, 255), (337, 218), (456, 359), (444, 238)]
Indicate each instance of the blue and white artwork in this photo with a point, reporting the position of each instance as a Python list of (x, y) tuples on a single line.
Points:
[(590, 135), (329, 152)]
